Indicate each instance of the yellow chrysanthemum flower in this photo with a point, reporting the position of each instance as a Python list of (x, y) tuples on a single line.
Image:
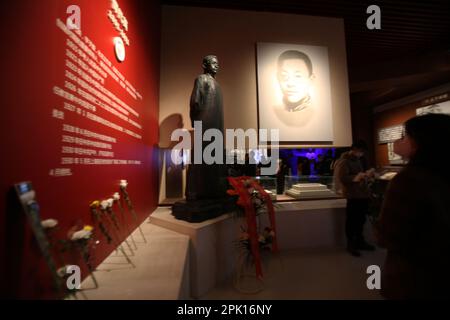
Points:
[(95, 204)]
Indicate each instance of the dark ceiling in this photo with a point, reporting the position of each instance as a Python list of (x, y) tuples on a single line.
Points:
[(410, 53)]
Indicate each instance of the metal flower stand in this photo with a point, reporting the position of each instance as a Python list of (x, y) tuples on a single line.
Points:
[(244, 278)]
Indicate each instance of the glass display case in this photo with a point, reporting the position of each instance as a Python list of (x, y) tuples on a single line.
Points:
[(269, 184), (310, 187), (387, 173), (378, 187)]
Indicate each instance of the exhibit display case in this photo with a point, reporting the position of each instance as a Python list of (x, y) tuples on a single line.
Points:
[(378, 187), (310, 187), (387, 173), (269, 184)]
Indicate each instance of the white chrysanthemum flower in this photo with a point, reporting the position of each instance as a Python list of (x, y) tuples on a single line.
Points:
[(116, 196), (257, 202), (82, 234), (123, 183), (49, 223), (104, 204), (62, 272), (110, 202)]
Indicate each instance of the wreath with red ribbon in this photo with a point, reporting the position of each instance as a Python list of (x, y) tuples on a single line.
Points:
[(243, 187)]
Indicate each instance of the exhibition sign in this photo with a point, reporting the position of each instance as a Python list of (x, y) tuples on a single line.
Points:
[(439, 108), (390, 134)]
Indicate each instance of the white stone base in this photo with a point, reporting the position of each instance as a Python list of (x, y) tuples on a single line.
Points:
[(311, 224), (310, 190), (212, 251)]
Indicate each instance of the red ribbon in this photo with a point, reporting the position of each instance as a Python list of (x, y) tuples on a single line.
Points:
[(270, 211)]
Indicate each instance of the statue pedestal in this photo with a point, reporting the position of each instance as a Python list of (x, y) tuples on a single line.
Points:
[(201, 210), (305, 225), (212, 248)]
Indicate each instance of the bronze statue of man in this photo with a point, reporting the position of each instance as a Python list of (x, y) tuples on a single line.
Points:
[(206, 184), (206, 181)]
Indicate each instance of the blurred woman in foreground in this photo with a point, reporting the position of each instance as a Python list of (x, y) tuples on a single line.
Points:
[(414, 223)]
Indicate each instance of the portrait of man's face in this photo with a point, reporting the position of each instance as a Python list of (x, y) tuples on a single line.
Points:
[(294, 77), (294, 91)]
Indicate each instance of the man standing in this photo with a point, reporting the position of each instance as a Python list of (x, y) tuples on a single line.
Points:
[(351, 181)]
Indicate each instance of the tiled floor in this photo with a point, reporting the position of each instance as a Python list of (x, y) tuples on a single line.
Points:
[(311, 274), (159, 270)]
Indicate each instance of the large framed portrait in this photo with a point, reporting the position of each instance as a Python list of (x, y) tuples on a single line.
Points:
[(294, 93)]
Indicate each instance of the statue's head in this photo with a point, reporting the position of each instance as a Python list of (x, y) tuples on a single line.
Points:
[(211, 64)]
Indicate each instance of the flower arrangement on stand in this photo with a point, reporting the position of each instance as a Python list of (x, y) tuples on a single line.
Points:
[(106, 206), (99, 210), (123, 189), (254, 239), (265, 241), (50, 226), (116, 198), (82, 240), (96, 217)]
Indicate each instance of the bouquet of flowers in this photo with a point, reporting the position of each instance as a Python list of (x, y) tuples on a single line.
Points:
[(82, 241), (94, 206), (123, 188), (265, 239)]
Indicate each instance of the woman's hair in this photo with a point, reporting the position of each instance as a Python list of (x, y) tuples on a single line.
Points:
[(431, 133)]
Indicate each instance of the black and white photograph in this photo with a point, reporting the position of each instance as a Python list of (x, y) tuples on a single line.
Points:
[(294, 93)]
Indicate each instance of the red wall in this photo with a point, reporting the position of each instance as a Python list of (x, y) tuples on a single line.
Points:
[(33, 62)]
